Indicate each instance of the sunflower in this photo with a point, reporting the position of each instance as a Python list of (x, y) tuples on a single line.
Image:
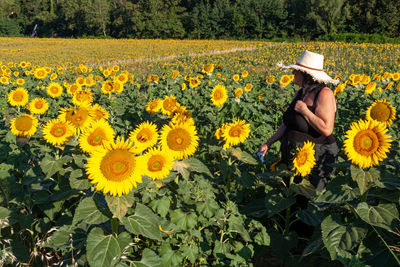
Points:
[(54, 90), (179, 140), (208, 69), (381, 111), (18, 97), (270, 79), (370, 88), (219, 95), (82, 96), (20, 81), (122, 78), (396, 76), (169, 104), (235, 133), (38, 106), (248, 87), (24, 125), (220, 130), (181, 115), (40, 73), (236, 77), (238, 93), (183, 86), (4, 80), (145, 135), (175, 74), (367, 143), (98, 112), (339, 89), (107, 87), (157, 163), (92, 138), (71, 89), (114, 168), (194, 82), (285, 80), (118, 86), (154, 106), (245, 74), (305, 159), (80, 117), (57, 132), (389, 86)]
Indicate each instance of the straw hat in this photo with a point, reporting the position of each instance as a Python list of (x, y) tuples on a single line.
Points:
[(313, 64)]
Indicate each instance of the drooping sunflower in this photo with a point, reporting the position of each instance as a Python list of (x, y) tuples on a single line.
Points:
[(98, 112), (370, 88), (181, 115), (18, 97), (54, 90), (38, 106), (220, 130), (144, 136), (285, 80), (235, 133), (169, 104), (381, 111), (94, 136), (367, 143), (154, 106), (219, 95), (157, 163), (114, 168), (82, 96), (24, 125), (305, 159), (57, 132), (238, 93), (208, 69), (179, 140), (79, 117)]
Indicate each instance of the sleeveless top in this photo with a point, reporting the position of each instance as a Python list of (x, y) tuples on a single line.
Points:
[(298, 129)]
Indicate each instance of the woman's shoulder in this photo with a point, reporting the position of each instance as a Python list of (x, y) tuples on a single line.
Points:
[(325, 92)]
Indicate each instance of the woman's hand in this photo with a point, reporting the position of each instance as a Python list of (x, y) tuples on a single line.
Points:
[(264, 148), (301, 107)]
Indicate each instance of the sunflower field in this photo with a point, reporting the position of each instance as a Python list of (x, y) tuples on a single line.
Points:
[(113, 163)]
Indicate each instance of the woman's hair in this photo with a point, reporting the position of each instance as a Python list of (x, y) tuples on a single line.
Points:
[(309, 82)]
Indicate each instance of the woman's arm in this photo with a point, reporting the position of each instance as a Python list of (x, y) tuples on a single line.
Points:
[(278, 134), (324, 118)]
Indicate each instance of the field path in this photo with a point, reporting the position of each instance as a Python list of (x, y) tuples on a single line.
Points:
[(170, 57)]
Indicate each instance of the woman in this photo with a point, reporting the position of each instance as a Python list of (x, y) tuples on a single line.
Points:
[(310, 117)]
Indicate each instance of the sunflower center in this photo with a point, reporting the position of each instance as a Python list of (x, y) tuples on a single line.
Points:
[(58, 130), (96, 138), (178, 139), (117, 165), (218, 95), (78, 117), (54, 89), (235, 131), (18, 96), (169, 104), (39, 104), (23, 123), (366, 142), (143, 136), (155, 163), (301, 157), (380, 112)]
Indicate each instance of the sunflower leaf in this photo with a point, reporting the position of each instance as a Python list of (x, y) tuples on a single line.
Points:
[(364, 178), (119, 205), (182, 168), (383, 215), (196, 165), (149, 259), (87, 212)]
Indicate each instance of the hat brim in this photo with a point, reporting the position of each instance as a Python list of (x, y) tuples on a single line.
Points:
[(318, 75)]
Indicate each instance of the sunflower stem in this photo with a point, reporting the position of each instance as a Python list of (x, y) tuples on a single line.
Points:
[(114, 225)]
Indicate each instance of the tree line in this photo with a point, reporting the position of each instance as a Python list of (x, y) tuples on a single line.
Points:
[(205, 19)]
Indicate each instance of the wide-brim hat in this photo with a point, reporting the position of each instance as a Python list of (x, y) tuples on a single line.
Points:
[(313, 64)]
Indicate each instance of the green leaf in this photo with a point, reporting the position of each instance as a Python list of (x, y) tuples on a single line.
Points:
[(221, 248), (195, 165), (119, 205), (337, 191), (4, 213), (182, 168), (78, 181), (383, 215), (183, 220), (281, 244), (207, 208), (170, 257), (149, 259), (263, 238), (161, 206), (51, 166), (102, 250), (340, 238), (363, 178), (88, 213), (304, 188), (243, 156), (310, 216), (275, 202), (236, 225), (312, 247), (5, 170), (190, 252), (144, 222)]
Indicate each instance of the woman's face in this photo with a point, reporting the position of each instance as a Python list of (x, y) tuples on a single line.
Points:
[(298, 78)]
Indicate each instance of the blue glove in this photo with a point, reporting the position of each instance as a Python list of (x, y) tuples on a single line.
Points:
[(260, 156)]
